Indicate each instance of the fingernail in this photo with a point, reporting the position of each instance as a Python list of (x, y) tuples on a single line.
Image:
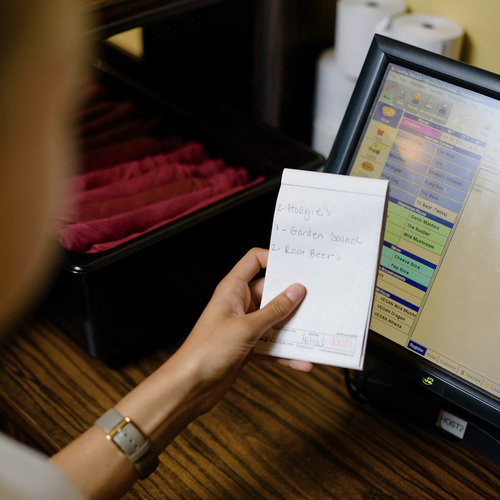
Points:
[(295, 292)]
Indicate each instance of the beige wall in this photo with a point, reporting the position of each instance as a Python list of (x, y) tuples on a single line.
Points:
[(130, 41), (481, 21)]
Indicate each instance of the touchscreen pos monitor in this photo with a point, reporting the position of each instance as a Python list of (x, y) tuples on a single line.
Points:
[(431, 126)]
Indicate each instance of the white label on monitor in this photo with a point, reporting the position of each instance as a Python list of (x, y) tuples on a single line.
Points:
[(452, 424)]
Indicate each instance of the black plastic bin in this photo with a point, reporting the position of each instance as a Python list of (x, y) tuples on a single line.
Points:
[(155, 286)]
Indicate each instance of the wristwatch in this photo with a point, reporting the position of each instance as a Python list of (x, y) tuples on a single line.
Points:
[(130, 440)]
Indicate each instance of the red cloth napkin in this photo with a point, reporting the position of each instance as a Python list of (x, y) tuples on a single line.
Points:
[(120, 152), (125, 151), (130, 128), (92, 110), (109, 207), (191, 152), (156, 174), (82, 236), (101, 247), (118, 113)]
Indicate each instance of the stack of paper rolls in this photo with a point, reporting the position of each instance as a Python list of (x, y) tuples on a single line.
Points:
[(333, 91), (338, 68)]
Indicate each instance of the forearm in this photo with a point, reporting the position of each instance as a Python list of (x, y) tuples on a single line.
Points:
[(161, 406)]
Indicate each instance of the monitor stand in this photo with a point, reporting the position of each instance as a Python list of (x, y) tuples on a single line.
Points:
[(390, 392)]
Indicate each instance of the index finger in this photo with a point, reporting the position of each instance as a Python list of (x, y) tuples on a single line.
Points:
[(249, 265)]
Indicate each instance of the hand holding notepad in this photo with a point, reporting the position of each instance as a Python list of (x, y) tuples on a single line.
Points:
[(326, 235)]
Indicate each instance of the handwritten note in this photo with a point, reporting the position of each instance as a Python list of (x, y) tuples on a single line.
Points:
[(326, 235)]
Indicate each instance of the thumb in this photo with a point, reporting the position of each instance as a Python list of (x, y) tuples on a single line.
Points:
[(279, 308)]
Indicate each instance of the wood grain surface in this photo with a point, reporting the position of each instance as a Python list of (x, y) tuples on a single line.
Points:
[(277, 434)]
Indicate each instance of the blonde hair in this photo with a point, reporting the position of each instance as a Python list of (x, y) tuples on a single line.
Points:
[(40, 54)]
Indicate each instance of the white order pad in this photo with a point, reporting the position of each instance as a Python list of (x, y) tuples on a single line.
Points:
[(326, 235)]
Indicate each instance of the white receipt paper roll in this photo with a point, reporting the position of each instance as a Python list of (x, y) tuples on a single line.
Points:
[(332, 94), (356, 23), (430, 32), (333, 89), (323, 137)]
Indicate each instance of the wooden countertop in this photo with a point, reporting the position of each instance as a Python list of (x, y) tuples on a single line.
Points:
[(276, 434)]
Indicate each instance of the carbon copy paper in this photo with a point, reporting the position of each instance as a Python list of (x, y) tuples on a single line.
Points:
[(327, 233)]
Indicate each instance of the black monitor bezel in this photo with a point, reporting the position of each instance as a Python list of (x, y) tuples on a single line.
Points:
[(383, 52)]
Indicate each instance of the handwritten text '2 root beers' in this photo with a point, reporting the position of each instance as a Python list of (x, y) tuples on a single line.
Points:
[(308, 234)]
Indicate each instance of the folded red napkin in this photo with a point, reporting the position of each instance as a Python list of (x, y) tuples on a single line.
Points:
[(130, 128), (94, 109), (80, 237), (119, 152), (101, 247), (109, 207), (191, 152), (116, 114), (125, 151), (156, 173)]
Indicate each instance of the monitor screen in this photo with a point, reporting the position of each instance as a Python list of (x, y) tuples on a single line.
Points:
[(431, 126)]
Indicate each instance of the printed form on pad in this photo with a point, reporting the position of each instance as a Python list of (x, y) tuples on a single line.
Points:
[(327, 234)]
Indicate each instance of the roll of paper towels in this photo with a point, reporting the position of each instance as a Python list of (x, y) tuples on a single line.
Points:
[(435, 33), (356, 23), (333, 89)]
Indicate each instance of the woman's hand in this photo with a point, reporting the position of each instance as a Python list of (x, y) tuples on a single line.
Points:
[(222, 340)]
